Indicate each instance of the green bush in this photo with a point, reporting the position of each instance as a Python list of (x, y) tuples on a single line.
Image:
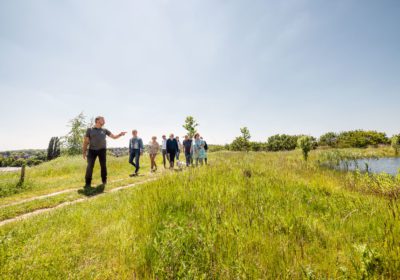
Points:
[(242, 143), (306, 144), (19, 162), (353, 139), (328, 139), (282, 142), (395, 142)]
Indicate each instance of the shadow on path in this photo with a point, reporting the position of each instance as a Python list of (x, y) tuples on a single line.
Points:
[(89, 191)]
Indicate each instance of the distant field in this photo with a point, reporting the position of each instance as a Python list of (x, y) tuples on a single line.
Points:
[(246, 216), (9, 169)]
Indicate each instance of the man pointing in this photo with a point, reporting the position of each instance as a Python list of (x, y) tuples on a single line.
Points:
[(95, 138)]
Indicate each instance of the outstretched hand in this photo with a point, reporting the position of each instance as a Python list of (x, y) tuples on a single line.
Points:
[(122, 133)]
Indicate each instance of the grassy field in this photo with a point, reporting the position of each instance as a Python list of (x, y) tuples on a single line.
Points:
[(64, 175), (247, 216), (60, 174)]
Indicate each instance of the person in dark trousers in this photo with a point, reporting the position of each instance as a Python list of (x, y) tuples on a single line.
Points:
[(187, 143), (164, 150), (135, 151), (95, 139), (206, 149), (172, 149)]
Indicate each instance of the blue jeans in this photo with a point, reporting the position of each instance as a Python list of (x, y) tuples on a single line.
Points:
[(135, 155), (188, 157)]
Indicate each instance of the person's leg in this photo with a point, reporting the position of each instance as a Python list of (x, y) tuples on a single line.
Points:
[(201, 161), (151, 162), (137, 156), (172, 159), (205, 160), (131, 158), (177, 155), (91, 159), (153, 158), (187, 159), (103, 165), (164, 152)]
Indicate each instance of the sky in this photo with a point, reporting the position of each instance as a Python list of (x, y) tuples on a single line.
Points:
[(287, 66)]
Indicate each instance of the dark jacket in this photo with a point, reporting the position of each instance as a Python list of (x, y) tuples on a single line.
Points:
[(132, 144), (172, 146)]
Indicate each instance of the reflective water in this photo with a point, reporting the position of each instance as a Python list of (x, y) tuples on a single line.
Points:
[(387, 165)]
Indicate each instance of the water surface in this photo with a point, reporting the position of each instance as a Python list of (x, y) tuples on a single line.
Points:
[(387, 165)]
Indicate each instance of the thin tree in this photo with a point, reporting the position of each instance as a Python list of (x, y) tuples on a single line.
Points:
[(190, 126), (73, 140), (306, 144), (246, 138)]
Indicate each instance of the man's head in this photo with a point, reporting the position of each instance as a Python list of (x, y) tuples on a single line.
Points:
[(197, 136), (171, 136), (177, 137), (164, 137), (99, 121), (134, 133), (154, 138), (186, 137)]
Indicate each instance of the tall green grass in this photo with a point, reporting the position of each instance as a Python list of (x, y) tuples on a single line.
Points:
[(62, 173), (247, 216)]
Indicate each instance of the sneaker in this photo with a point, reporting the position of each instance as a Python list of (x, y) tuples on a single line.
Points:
[(133, 175)]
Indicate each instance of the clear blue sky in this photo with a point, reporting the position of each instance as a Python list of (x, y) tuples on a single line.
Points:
[(287, 66)]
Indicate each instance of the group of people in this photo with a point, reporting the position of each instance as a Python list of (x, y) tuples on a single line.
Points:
[(94, 145), (195, 150)]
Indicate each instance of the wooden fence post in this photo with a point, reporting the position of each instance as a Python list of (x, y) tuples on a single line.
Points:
[(22, 178)]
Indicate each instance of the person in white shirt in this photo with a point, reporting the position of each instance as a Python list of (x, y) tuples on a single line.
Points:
[(164, 150), (180, 148)]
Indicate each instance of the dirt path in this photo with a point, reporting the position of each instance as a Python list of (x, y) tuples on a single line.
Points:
[(47, 195), (40, 211)]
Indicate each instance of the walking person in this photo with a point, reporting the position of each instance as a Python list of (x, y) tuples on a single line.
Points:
[(135, 151), (187, 144), (154, 148), (198, 149), (164, 149), (172, 149), (179, 146), (205, 150), (95, 139)]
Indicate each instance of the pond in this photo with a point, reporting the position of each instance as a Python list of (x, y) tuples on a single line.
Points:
[(387, 165)]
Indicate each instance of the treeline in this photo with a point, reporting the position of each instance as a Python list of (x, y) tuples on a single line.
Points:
[(20, 158), (354, 139), (284, 142), (278, 142)]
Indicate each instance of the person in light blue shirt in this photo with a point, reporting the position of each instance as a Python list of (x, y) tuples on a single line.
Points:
[(198, 150), (135, 151)]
